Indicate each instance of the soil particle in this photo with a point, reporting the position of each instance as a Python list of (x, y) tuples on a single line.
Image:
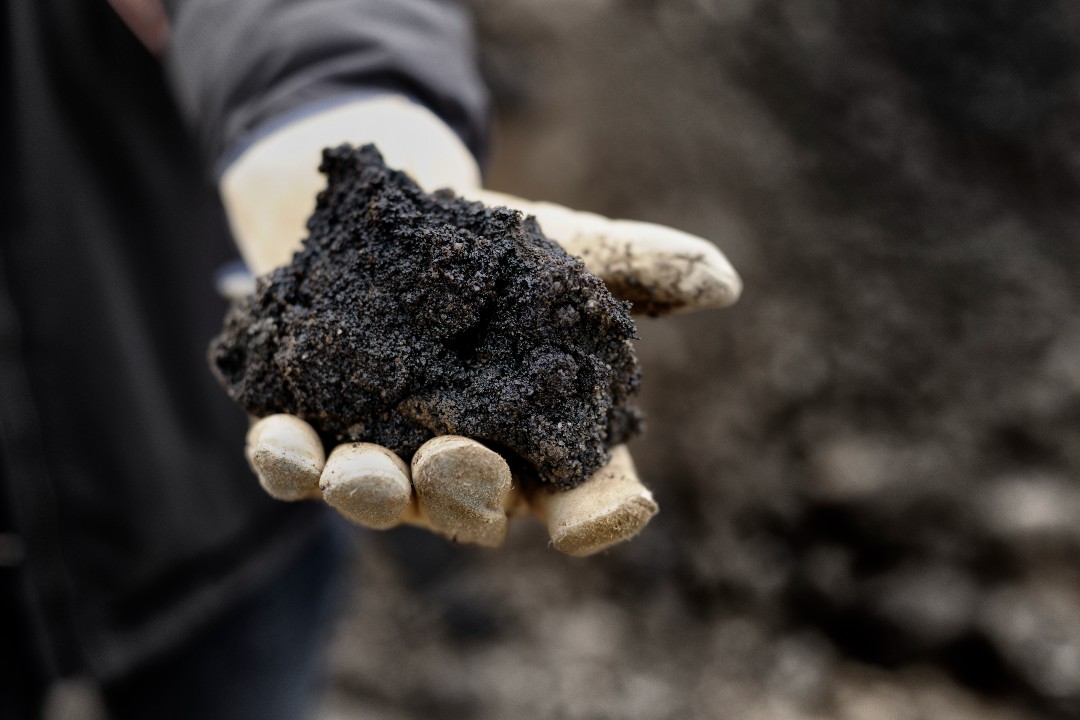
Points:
[(407, 315)]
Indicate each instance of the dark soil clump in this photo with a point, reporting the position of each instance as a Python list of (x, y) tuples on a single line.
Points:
[(408, 315)]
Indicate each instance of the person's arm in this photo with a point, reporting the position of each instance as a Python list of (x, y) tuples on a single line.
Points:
[(239, 68), (269, 191), (265, 112)]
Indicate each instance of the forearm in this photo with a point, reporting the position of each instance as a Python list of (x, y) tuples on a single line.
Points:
[(236, 67)]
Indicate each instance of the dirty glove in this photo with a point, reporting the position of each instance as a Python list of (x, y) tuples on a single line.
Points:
[(454, 486)]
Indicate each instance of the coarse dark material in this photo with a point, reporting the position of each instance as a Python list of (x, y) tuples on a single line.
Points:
[(408, 315)]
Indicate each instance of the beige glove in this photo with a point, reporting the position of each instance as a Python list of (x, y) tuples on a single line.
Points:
[(455, 486)]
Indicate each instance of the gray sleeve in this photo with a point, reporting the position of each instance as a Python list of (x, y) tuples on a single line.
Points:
[(236, 65)]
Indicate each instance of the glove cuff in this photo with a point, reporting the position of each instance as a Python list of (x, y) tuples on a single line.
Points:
[(269, 189)]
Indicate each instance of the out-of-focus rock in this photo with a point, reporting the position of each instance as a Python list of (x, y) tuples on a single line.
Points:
[(1033, 507), (933, 605), (1036, 627)]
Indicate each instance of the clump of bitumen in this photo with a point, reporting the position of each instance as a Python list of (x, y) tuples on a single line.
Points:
[(407, 315)]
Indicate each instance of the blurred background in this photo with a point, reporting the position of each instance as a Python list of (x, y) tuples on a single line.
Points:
[(868, 468)]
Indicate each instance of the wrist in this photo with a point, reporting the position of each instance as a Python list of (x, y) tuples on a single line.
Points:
[(269, 188)]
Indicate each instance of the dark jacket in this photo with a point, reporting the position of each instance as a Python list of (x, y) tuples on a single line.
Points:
[(120, 459)]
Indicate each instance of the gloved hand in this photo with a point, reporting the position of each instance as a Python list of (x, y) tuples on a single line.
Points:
[(455, 486)]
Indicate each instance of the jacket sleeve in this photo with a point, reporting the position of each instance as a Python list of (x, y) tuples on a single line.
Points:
[(236, 65)]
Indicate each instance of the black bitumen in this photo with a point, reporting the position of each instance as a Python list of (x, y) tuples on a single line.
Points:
[(407, 315)]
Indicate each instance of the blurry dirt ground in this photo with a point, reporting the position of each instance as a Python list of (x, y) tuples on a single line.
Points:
[(868, 469)]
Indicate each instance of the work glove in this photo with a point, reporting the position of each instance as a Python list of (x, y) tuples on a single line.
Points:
[(454, 486)]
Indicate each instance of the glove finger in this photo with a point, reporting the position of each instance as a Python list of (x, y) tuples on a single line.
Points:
[(286, 455), (610, 507), (659, 269), (367, 484), (463, 490)]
